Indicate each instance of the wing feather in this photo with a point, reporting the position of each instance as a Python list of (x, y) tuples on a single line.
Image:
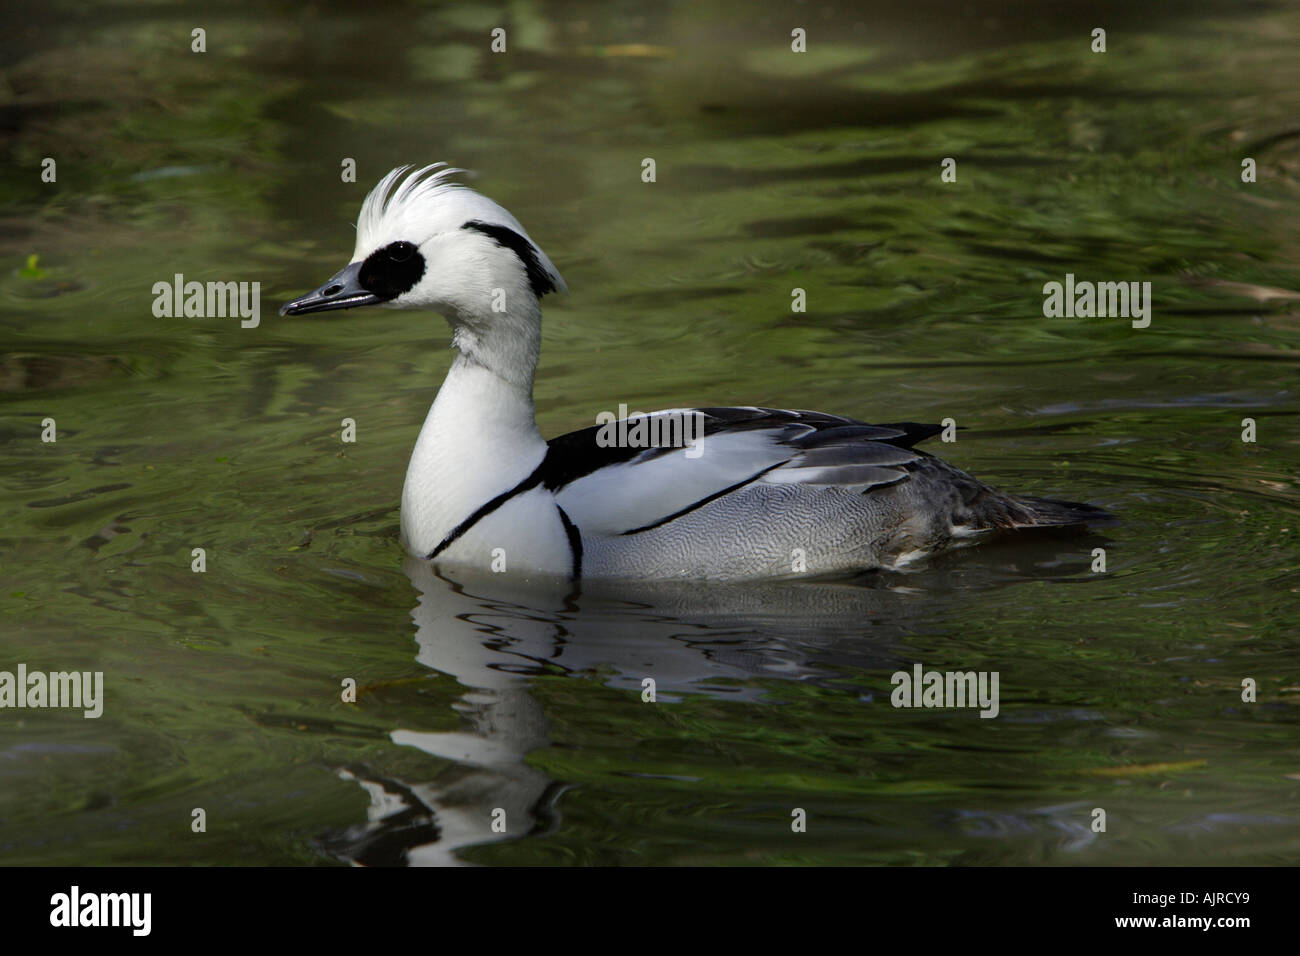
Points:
[(611, 490)]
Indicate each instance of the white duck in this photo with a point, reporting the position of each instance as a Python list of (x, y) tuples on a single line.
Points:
[(765, 493)]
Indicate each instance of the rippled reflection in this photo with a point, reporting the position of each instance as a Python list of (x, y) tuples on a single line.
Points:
[(494, 634)]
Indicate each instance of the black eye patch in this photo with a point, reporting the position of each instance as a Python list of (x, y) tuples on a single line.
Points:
[(392, 270)]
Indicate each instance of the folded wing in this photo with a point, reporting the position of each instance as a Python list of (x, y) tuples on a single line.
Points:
[(618, 490)]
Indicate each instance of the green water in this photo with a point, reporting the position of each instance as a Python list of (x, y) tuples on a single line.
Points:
[(1119, 690)]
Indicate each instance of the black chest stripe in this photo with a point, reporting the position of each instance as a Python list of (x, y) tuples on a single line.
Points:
[(483, 511), (575, 542)]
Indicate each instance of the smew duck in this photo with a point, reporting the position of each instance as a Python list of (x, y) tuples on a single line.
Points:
[(757, 492)]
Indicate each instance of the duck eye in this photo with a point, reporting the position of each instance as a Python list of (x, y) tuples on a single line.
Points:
[(400, 251)]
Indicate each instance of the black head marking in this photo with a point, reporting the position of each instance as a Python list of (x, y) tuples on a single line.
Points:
[(392, 270), (538, 277)]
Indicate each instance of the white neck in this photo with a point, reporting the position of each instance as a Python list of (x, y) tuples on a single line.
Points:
[(480, 437)]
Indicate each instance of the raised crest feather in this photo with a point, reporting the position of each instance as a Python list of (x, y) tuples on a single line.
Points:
[(413, 205), (389, 202)]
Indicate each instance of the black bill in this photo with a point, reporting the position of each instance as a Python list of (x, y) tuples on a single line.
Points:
[(344, 291)]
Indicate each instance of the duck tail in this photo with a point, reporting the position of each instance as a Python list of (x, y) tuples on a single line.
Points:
[(1050, 513)]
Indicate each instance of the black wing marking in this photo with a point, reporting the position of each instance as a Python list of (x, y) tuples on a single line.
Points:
[(577, 454)]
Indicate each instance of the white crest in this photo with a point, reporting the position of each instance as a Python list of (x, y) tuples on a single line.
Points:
[(416, 204), (388, 205)]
